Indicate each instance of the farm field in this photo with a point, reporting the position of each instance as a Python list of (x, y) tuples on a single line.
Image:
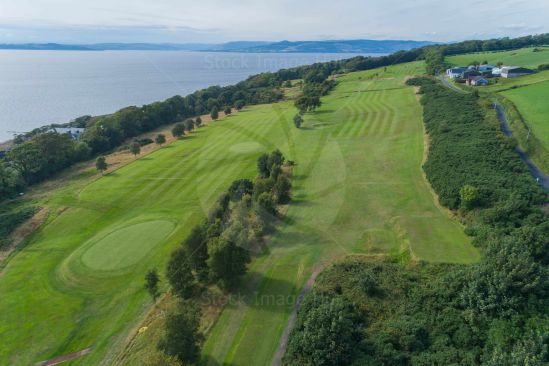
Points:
[(525, 57), (358, 188)]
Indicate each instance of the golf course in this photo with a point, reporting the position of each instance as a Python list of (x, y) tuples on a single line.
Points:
[(358, 188)]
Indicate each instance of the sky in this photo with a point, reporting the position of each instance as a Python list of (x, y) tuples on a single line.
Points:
[(216, 21)]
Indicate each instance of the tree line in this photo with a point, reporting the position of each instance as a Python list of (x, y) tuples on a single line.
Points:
[(494, 312), (218, 250)]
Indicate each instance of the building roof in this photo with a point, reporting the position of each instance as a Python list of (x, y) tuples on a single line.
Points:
[(507, 69)]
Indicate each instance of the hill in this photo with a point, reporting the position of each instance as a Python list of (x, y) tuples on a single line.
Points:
[(342, 46), (337, 46)]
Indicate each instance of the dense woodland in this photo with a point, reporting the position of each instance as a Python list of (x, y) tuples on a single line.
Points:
[(492, 313)]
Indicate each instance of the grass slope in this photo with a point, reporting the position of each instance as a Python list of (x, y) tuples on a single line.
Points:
[(525, 57), (358, 188)]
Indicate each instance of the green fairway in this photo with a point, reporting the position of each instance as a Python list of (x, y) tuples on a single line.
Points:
[(525, 57), (358, 188)]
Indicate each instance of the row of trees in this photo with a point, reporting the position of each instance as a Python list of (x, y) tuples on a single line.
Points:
[(218, 250)]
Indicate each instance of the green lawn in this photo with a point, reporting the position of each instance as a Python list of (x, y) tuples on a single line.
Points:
[(358, 188), (525, 57)]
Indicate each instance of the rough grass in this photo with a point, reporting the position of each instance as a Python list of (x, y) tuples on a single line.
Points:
[(358, 188)]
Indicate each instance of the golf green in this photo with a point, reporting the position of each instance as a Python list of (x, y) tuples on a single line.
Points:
[(126, 246)]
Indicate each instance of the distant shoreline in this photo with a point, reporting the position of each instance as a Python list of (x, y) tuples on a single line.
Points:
[(358, 46)]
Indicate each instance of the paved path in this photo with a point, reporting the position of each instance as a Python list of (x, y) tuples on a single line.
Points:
[(449, 85)]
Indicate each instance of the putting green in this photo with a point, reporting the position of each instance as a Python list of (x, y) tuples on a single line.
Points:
[(126, 246)]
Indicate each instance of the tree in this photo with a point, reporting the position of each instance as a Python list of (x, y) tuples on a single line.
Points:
[(298, 120), (239, 188), (214, 113), (227, 261), (263, 166), (135, 148), (326, 333), (182, 337), (179, 274), (267, 203), (227, 111), (189, 125), (151, 283), (198, 122), (506, 278), (239, 104), (28, 159), (434, 61), (101, 164), (282, 189), (178, 130), (160, 139), (469, 196), (307, 103), (10, 180), (197, 250)]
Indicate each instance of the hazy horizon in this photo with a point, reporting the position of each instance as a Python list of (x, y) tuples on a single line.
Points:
[(216, 21)]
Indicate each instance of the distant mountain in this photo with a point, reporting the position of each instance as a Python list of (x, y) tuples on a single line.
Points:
[(229, 46), (339, 46), (44, 46)]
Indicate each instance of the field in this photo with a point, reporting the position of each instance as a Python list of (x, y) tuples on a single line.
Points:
[(358, 188), (525, 57), (531, 101)]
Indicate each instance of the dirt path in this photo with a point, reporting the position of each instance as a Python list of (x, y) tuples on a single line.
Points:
[(61, 359), (277, 359)]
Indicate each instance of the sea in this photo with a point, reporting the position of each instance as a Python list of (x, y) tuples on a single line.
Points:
[(38, 88)]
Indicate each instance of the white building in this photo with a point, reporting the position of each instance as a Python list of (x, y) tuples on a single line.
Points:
[(455, 72)]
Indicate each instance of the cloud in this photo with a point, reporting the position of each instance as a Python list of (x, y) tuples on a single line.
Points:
[(77, 21)]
